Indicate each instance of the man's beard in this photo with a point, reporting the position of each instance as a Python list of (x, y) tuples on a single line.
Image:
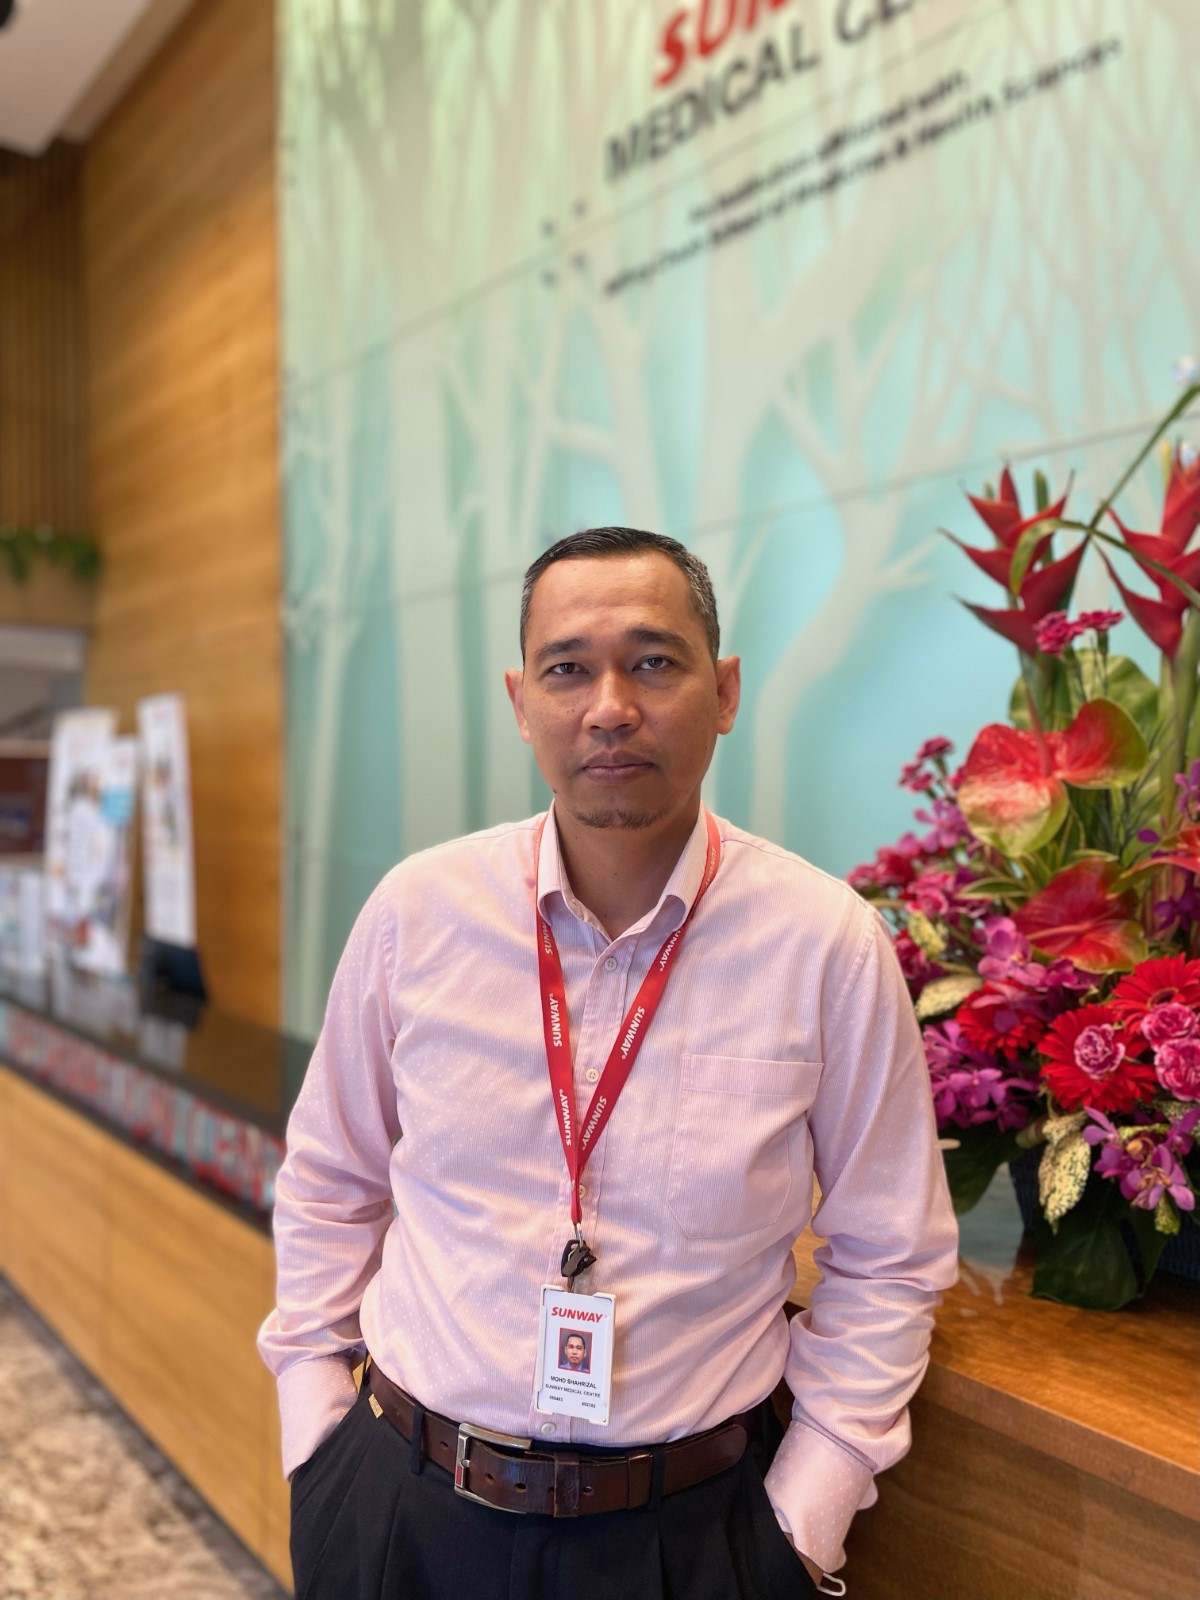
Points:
[(619, 818)]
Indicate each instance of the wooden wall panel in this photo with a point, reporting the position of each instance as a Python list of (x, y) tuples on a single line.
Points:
[(41, 341), (180, 273)]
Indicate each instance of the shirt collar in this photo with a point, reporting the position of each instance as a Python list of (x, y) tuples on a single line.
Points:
[(676, 898)]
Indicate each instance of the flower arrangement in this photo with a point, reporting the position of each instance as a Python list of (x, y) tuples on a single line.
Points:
[(1046, 907)]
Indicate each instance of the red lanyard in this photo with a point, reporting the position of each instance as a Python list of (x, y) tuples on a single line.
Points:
[(577, 1142)]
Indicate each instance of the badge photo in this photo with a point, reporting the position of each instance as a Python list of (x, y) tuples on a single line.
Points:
[(575, 1350)]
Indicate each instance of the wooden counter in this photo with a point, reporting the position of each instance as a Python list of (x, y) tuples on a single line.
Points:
[(1056, 1452)]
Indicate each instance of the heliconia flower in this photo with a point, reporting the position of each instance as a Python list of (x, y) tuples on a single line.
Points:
[(1177, 1064), (1012, 795), (1044, 588), (1162, 619), (1079, 916), (1083, 1069)]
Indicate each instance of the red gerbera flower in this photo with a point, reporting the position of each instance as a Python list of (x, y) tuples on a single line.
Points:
[(1085, 1063), (1001, 1019), (1154, 983)]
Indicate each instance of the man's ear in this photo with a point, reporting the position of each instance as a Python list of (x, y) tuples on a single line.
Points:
[(729, 691), (514, 682)]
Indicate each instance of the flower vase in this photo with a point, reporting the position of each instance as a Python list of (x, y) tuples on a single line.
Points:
[(1180, 1257)]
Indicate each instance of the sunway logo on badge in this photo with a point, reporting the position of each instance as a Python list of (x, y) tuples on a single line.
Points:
[(664, 955), (547, 938), (631, 1032), (577, 1316), (555, 1023), (566, 1116)]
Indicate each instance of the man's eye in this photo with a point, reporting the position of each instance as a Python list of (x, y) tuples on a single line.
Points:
[(563, 669), (655, 663)]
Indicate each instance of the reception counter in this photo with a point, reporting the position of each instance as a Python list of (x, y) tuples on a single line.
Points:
[(1056, 1453), (138, 1156)]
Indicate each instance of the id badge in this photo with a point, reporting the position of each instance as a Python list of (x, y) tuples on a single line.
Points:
[(575, 1351)]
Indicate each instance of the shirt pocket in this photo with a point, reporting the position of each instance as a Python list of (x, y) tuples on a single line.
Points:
[(731, 1168)]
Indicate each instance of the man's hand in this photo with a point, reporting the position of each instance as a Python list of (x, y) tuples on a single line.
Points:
[(814, 1571)]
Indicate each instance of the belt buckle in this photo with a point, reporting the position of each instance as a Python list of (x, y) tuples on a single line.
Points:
[(462, 1460)]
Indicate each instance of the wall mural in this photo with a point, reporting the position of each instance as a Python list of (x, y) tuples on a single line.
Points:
[(778, 277)]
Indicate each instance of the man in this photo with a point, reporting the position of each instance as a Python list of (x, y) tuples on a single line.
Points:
[(718, 1021), (575, 1352)]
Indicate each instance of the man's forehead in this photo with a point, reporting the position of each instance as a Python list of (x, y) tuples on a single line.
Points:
[(644, 591)]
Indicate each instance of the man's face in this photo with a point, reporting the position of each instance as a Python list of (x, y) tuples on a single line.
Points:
[(574, 1350), (619, 696)]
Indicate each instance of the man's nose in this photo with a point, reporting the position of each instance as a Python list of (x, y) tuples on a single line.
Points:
[(613, 704)]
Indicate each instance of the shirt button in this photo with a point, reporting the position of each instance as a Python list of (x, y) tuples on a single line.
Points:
[(591, 1074), (583, 1191), (548, 1428), (610, 964)]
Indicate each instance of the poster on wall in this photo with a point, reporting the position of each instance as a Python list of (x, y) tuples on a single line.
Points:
[(170, 882), (76, 751), (100, 860)]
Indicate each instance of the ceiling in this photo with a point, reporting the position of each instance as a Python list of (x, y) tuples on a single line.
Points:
[(65, 63)]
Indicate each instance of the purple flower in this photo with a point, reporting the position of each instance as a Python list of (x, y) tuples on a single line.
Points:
[(948, 827), (1098, 1051), (916, 777), (969, 1086), (1170, 1021), (1101, 621), (1189, 786), (1182, 908), (1177, 1064), (1144, 1161), (1055, 632), (932, 749)]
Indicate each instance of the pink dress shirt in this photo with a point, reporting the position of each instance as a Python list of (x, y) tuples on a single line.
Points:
[(424, 1200)]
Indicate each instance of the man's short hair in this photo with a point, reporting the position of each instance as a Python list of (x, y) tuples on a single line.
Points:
[(598, 542)]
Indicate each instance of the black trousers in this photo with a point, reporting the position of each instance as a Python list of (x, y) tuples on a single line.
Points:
[(371, 1521)]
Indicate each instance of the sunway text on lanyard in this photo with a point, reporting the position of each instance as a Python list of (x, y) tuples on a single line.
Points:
[(579, 1138)]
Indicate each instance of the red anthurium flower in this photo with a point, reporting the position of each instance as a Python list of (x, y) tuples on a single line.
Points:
[(1078, 916), (1012, 793), (1162, 619), (1044, 588)]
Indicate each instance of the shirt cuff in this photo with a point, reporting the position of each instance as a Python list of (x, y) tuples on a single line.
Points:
[(314, 1396), (815, 1487)]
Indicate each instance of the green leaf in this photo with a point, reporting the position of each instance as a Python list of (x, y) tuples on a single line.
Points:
[(1041, 490), (1023, 553), (1088, 1262), (1120, 680), (971, 1168), (945, 994), (1063, 1171)]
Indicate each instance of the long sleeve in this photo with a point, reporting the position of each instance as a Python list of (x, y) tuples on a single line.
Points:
[(333, 1201), (859, 1352)]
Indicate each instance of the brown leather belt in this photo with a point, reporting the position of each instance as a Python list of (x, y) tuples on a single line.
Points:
[(499, 1470)]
